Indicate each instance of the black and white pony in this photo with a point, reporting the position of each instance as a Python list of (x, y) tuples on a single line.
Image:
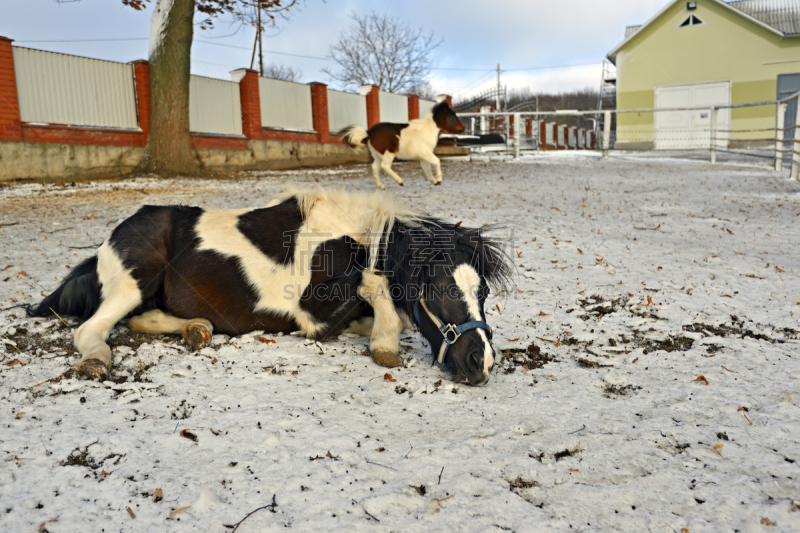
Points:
[(319, 262), (416, 141)]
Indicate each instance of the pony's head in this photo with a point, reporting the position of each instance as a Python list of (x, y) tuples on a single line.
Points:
[(447, 272), (446, 119)]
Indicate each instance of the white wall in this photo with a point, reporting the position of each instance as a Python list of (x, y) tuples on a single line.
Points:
[(394, 107), (62, 89), (214, 106), (285, 104), (345, 109), (425, 107)]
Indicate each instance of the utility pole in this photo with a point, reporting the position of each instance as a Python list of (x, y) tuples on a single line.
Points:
[(260, 48), (497, 96)]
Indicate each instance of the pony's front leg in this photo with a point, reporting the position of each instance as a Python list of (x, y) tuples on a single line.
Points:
[(426, 168), (121, 295), (195, 331), (433, 160), (384, 342)]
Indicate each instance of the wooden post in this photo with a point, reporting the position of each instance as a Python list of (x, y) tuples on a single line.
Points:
[(780, 135), (714, 111), (606, 134)]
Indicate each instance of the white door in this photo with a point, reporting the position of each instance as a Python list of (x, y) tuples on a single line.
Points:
[(691, 129)]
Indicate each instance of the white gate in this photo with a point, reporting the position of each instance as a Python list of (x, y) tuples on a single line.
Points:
[(691, 129)]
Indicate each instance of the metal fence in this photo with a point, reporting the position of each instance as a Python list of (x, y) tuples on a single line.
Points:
[(394, 107), (738, 129), (63, 89), (214, 106), (285, 104), (345, 109)]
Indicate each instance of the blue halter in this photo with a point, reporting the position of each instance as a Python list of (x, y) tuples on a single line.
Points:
[(450, 332)]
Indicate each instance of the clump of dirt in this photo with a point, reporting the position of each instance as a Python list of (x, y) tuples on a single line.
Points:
[(566, 453), (83, 458), (738, 329), (670, 344), (531, 358), (519, 484), (616, 390)]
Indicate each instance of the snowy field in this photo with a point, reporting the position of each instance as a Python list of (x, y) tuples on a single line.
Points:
[(649, 382)]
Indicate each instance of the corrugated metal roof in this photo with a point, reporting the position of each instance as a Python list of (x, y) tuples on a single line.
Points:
[(630, 30), (783, 15)]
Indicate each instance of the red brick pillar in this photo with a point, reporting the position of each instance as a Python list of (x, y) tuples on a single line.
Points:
[(372, 92), (141, 80), (413, 107), (543, 135), (446, 98), (10, 124), (251, 102), (319, 110)]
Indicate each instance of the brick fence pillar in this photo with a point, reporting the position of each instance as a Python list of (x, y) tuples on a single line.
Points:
[(141, 77), (372, 92), (10, 124), (413, 107), (319, 110), (251, 102), (445, 98), (543, 135)]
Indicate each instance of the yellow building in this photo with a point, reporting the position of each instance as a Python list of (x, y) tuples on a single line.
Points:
[(707, 53)]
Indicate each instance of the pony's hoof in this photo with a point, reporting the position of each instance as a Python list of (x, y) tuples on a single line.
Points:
[(386, 358), (400, 183), (382, 187), (197, 335), (437, 183), (93, 369)]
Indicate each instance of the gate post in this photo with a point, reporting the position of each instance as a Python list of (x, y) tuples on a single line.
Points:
[(606, 133), (780, 134), (517, 134), (713, 113), (796, 145)]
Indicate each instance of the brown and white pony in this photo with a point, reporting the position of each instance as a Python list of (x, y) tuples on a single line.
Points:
[(318, 262), (416, 141)]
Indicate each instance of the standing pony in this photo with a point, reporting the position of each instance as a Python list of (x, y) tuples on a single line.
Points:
[(319, 262), (416, 141)]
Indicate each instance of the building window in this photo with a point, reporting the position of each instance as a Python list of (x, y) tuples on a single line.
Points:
[(691, 21)]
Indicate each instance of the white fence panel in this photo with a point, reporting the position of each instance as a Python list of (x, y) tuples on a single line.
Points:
[(394, 107), (345, 109), (425, 107), (285, 104), (63, 89), (215, 106)]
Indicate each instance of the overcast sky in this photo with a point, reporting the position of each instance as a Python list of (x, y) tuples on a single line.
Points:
[(518, 34)]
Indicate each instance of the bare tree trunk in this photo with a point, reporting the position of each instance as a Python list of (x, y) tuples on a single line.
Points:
[(168, 149)]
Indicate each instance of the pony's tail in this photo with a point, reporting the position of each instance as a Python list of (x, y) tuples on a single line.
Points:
[(354, 135), (77, 296)]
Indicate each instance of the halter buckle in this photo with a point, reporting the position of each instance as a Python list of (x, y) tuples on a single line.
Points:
[(450, 329)]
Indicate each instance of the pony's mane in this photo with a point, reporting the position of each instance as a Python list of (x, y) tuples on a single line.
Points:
[(409, 268), (374, 213)]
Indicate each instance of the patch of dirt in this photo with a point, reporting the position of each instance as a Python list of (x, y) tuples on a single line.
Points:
[(83, 458), (530, 358), (519, 484), (671, 344), (615, 390), (564, 454)]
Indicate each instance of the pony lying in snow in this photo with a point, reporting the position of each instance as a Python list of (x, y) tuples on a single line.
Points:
[(416, 140), (318, 262)]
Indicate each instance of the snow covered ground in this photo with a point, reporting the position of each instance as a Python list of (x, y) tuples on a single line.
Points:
[(650, 378)]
